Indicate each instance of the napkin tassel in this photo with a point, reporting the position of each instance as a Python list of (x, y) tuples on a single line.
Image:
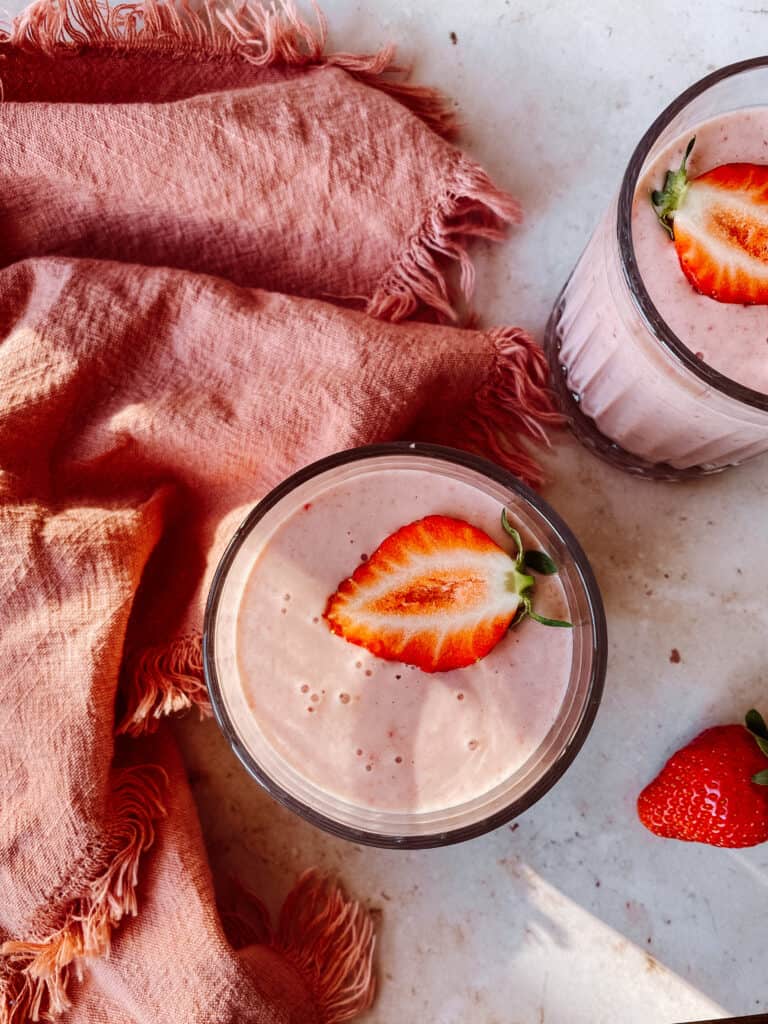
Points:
[(330, 941), (162, 680), (35, 976), (327, 938), (515, 401), (471, 207)]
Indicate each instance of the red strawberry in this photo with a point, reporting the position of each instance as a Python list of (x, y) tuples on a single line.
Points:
[(719, 223), (714, 790), (438, 593)]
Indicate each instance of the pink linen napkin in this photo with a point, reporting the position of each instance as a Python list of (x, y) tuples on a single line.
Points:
[(199, 228)]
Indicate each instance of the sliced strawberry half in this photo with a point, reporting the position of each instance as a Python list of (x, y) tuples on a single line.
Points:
[(719, 224), (438, 593)]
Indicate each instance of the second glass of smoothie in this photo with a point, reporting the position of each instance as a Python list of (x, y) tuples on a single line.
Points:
[(353, 735), (656, 375)]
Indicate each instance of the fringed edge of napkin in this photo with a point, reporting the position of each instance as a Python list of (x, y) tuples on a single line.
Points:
[(162, 680), (516, 399), (330, 940), (471, 207), (35, 976), (276, 35), (327, 938), (261, 35)]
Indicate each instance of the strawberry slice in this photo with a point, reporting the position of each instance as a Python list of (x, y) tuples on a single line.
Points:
[(719, 224), (438, 594)]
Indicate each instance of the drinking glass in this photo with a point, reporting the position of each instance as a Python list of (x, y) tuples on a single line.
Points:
[(306, 796), (633, 391)]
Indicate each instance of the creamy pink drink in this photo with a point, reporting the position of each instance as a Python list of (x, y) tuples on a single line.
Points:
[(378, 732), (380, 741), (676, 379)]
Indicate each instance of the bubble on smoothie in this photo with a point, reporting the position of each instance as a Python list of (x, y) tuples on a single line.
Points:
[(398, 760), (369, 767), (286, 597), (305, 688), (310, 709), (473, 744), (283, 611), (368, 672), (359, 752), (344, 698), (358, 664), (459, 696), (316, 618), (315, 698)]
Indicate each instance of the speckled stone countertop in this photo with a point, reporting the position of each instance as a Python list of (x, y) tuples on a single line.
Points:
[(574, 914)]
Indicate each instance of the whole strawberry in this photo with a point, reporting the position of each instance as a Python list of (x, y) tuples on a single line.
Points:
[(714, 790)]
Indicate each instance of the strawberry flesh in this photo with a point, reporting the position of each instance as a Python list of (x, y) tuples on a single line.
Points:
[(705, 793), (438, 593), (719, 223)]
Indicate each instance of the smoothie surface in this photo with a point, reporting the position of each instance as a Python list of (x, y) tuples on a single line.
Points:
[(381, 734)]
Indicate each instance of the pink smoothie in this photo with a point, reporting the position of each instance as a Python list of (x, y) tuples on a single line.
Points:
[(638, 394), (380, 734)]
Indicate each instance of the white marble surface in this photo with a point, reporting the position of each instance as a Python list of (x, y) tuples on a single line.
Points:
[(574, 915)]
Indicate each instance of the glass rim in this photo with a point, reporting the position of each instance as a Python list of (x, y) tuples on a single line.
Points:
[(590, 704), (653, 319)]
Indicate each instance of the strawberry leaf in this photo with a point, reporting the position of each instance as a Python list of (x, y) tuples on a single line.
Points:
[(761, 778), (539, 561), (509, 528), (665, 201), (550, 622), (522, 585), (542, 618), (756, 724), (757, 727)]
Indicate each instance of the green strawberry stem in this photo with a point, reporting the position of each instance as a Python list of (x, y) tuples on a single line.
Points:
[(755, 723), (667, 200), (521, 583)]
